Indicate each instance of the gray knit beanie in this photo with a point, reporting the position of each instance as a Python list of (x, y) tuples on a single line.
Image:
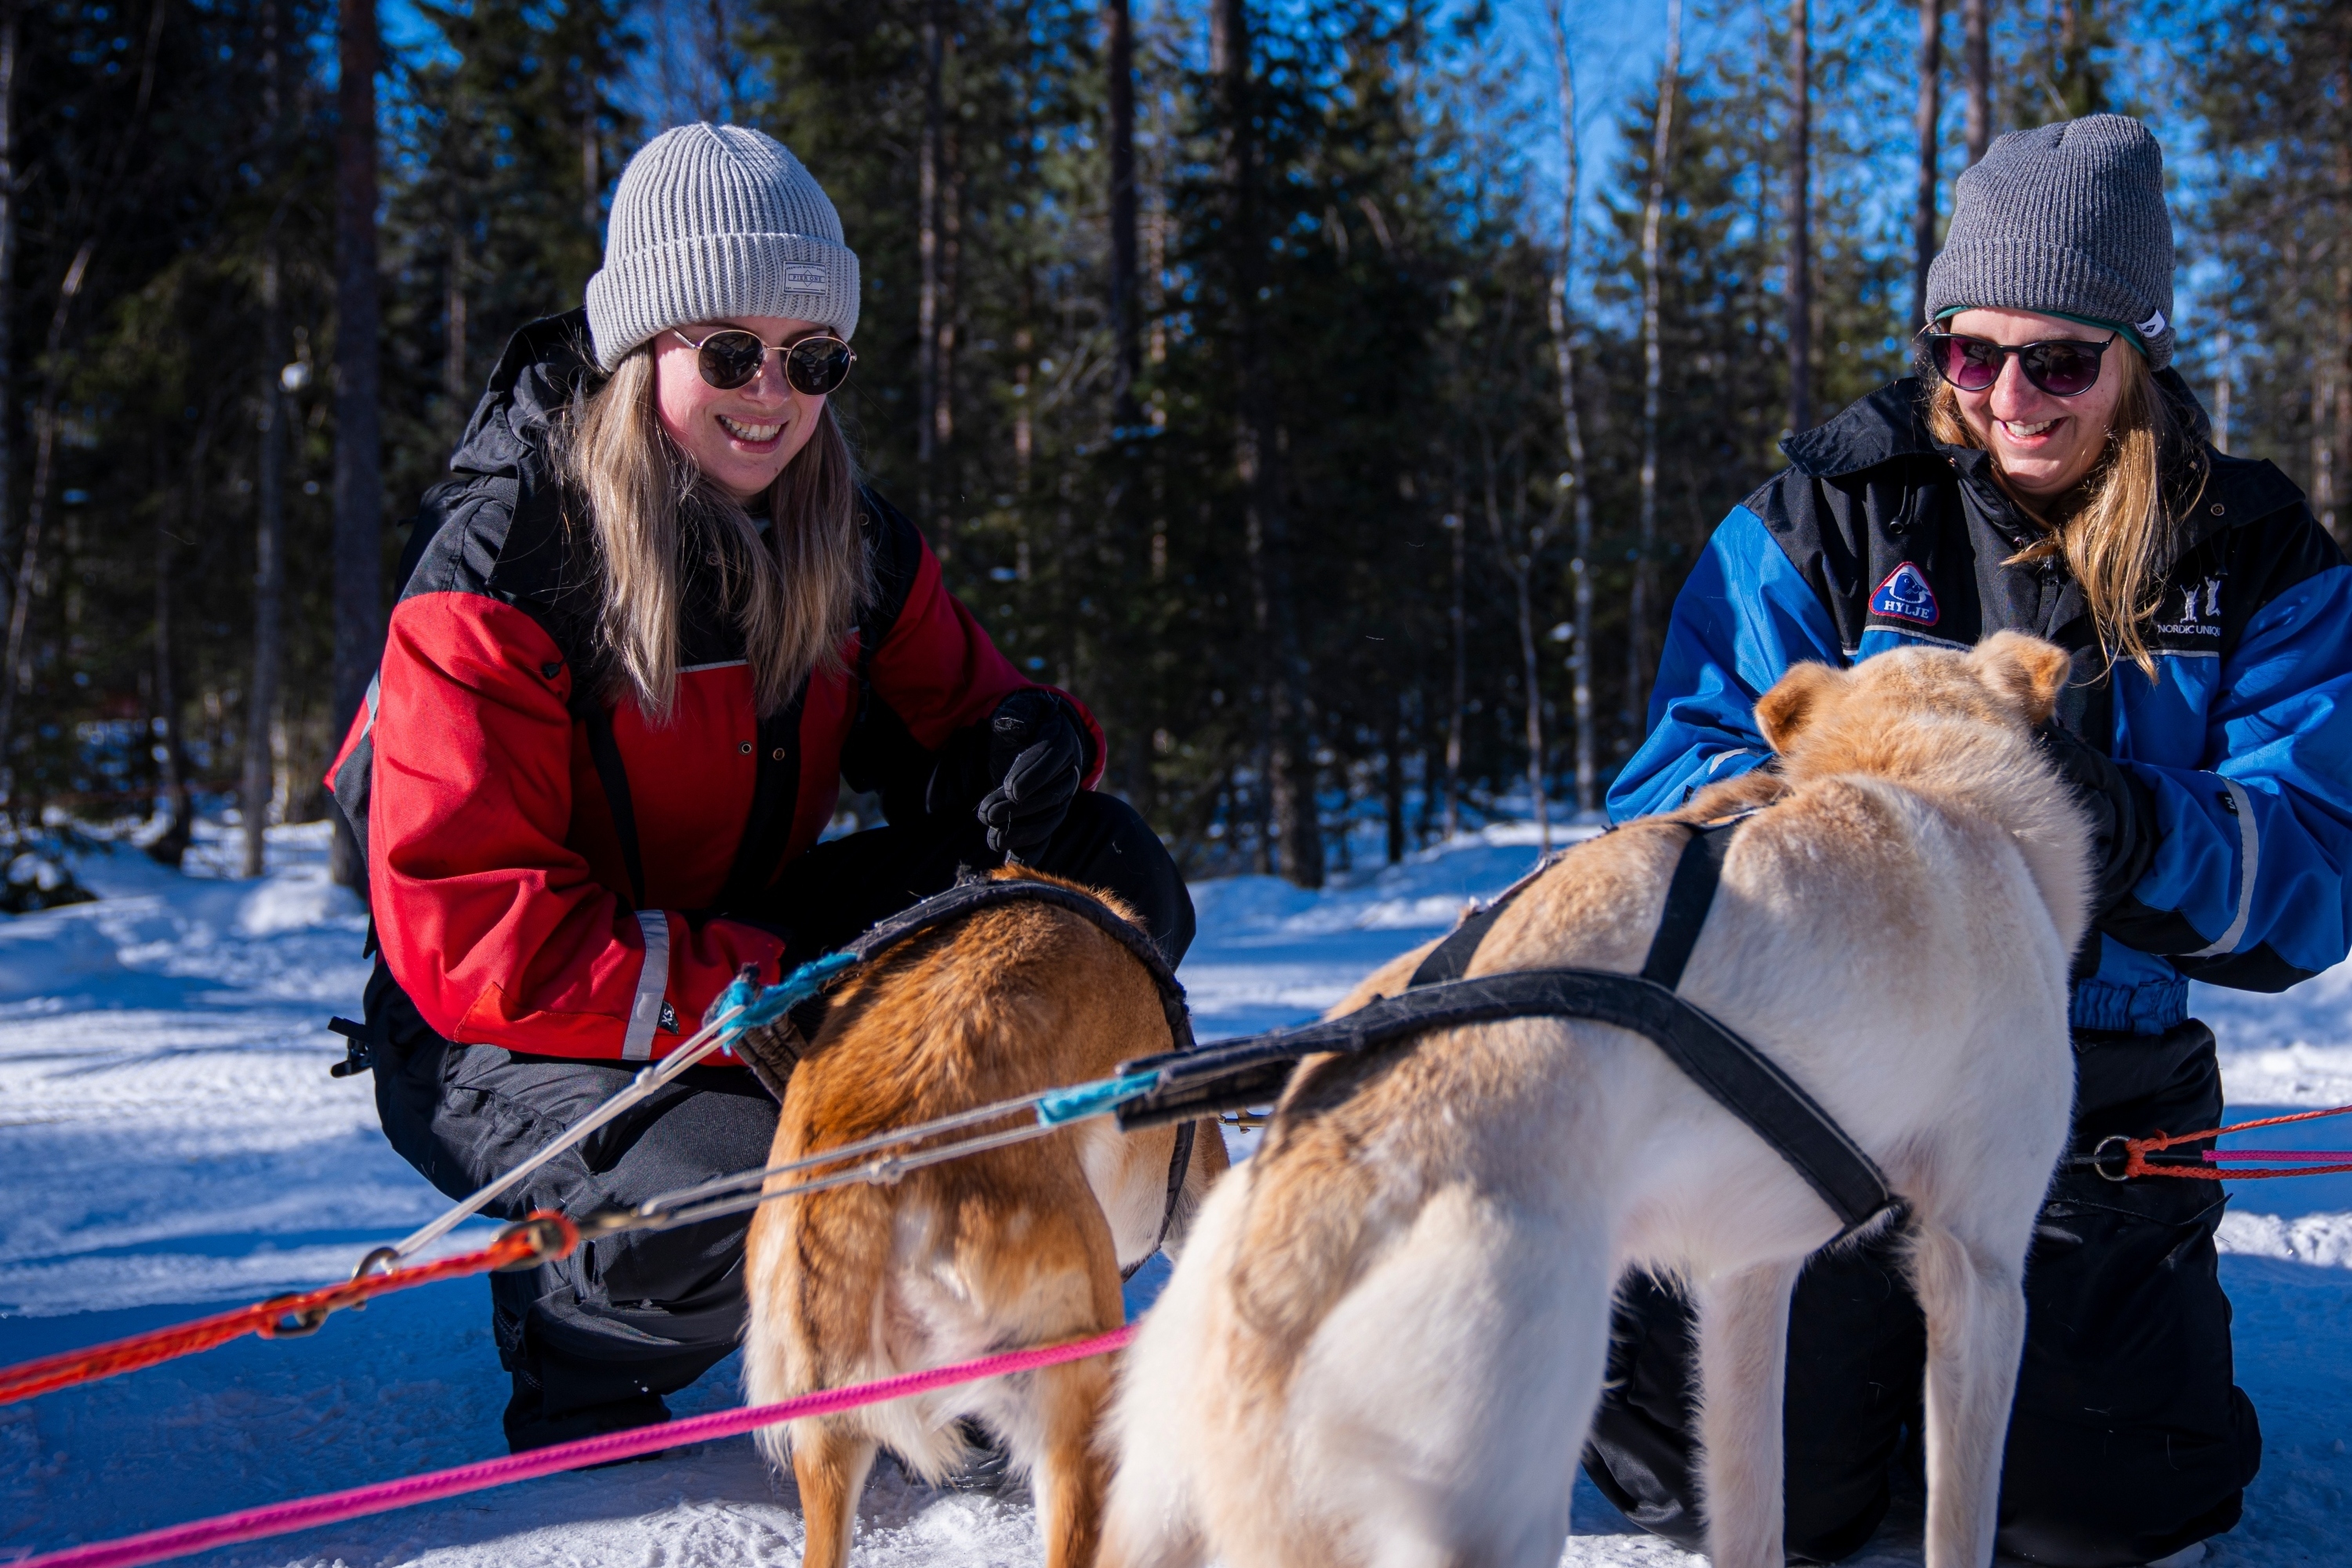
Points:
[(714, 221), (2065, 220)]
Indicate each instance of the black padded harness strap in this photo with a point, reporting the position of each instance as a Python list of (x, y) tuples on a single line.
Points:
[(1450, 959), (970, 898), (1689, 896), (1735, 1074), (967, 899)]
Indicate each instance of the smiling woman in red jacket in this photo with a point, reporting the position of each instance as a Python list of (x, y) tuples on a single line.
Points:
[(647, 625)]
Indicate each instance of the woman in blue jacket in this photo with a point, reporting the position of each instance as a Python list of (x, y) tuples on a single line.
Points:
[(2047, 473)]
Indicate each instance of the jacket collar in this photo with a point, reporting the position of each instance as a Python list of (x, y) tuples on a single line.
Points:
[(1887, 426), (544, 365), (1876, 429)]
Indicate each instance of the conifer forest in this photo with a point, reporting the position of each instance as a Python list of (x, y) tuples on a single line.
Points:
[(1332, 393)]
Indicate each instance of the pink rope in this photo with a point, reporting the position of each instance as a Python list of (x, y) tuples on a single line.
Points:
[(2216, 1154), (279, 1519)]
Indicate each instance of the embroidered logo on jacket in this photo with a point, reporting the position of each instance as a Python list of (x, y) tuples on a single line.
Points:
[(1905, 597), (2200, 611)]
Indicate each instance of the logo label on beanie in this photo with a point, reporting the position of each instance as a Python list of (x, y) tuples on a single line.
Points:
[(806, 277), (1905, 597), (2153, 327)]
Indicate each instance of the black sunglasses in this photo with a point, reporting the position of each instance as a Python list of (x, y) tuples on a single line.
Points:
[(731, 357), (2062, 367)]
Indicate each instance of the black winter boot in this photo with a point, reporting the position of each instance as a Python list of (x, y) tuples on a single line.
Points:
[(529, 1425)]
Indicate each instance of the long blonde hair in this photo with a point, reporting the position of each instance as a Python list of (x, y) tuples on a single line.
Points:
[(2113, 528), (794, 590)]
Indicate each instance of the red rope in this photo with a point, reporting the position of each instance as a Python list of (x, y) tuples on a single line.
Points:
[(2136, 1152), (543, 1237), (281, 1519)]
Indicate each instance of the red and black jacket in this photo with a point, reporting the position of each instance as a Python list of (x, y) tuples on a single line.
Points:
[(540, 861)]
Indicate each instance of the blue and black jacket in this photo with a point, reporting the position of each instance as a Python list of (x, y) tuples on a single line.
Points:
[(1877, 536)]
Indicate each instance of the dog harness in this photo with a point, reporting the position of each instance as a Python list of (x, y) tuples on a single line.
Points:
[(969, 897), (1739, 1078)]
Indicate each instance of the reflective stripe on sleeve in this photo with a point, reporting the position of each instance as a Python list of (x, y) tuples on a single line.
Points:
[(645, 1011), (2249, 858)]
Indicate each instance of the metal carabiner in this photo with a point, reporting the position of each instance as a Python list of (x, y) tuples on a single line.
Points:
[(379, 1261), (2099, 1158), (548, 1241), (294, 1325)]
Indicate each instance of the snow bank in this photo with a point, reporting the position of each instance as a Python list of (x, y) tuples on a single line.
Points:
[(2323, 1240)]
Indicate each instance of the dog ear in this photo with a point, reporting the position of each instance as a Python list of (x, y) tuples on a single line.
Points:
[(1794, 701), (2027, 670)]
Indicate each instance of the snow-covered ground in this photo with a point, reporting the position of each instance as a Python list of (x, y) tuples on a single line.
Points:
[(170, 1141)]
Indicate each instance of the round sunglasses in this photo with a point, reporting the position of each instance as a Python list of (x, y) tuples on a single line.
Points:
[(731, 357), (2062, 367)]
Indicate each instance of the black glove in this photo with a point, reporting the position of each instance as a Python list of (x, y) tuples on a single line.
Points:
[(2122, 812), (1036, 756)]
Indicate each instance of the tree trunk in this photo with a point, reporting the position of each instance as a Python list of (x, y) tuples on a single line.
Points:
[(10, 14), (942, 410), (2223, 376), (927, 257), (1458, 620), (254, 787), (1289, 753), (1571, 426), (1800, 215), (254, 790), (359, 474), (455, 384), (1931, 110), (1976, 29), (591, 161), (1127, 345), (1637, 620), (16, 663), (1024, 431), (184, 507), (1392, 780), (1519, 552), (2337, 348), (722, 61)]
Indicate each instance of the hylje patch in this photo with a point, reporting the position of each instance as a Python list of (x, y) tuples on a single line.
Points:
[(1905, 597)]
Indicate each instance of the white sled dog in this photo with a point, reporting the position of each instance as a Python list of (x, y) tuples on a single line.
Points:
[(1385, 1343)]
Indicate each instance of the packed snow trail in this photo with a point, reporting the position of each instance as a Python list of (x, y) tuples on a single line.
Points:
[(173, 1143)]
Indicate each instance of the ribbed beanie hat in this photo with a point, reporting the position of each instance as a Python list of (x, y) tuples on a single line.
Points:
[(2064, 220), (716, 221)]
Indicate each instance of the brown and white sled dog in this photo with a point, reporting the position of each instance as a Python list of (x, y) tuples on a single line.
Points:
[(1387, 1338), (1013, 1248)]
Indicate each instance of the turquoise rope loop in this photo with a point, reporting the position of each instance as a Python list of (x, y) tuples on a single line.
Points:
[(756, 1006), (1082, 1100)]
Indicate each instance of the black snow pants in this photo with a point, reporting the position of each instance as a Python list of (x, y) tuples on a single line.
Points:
[(630, 1318), (2128, 1439)]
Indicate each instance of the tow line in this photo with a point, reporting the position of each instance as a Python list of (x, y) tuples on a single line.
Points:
[(546, 1236), (2210, 1163), (531, 1241), (330, 1507)]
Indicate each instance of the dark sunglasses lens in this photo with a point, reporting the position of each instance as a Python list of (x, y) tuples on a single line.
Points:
[(2062, 370), (1970, 364), (818, 365), (730, 359)]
